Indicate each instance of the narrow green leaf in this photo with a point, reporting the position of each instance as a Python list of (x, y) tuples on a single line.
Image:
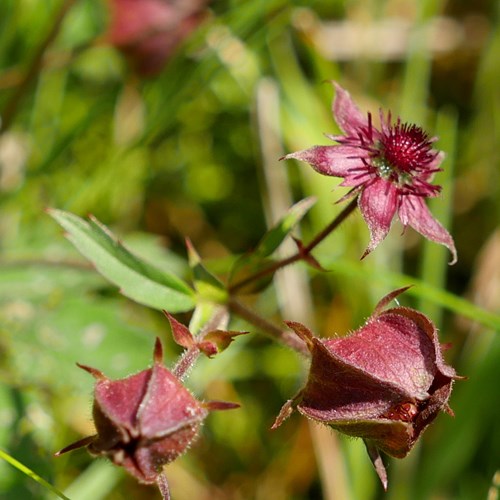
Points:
[(275, 236), (249, 265), (137, 279), (33, 475), (253, 262), (206, 284)]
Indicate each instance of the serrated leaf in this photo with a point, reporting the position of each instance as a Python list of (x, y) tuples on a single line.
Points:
[(137, 279)]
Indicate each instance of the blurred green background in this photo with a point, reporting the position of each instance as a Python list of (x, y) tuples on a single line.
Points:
[(192, 151)]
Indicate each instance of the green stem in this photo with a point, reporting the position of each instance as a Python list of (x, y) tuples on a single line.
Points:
[(302, 254)]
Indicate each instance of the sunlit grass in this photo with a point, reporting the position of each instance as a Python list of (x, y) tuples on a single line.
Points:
[(189, 164)]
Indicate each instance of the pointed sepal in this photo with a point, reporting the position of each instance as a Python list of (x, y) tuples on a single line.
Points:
[(180, 333), (378, 464)]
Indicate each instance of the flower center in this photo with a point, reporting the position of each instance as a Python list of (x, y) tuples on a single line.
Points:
[(403, 151)]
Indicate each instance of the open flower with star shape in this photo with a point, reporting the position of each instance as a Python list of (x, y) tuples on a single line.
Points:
[(390, 170)]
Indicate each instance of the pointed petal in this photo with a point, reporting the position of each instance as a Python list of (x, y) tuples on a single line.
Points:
[(336, 161), (440, 156), (414, 212), (378, 204), (347, 115)]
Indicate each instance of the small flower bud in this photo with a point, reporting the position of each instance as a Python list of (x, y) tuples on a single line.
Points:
[(144, 421), (384, 383)]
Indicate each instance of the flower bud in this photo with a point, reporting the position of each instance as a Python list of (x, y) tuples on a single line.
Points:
[(144, 421), (384, 383)]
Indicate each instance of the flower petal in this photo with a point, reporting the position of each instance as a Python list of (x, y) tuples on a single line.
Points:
[(347, 115), (378, 204), (414, 212), (336, 161)]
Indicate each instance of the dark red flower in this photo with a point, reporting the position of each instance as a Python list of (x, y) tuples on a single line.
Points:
[(148, 31), (391, 170), (384, 383), (144, 421)]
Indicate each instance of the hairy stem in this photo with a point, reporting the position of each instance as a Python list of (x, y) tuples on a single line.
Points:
[(302, 254), (187, 359), (162, 483), (266, 327)]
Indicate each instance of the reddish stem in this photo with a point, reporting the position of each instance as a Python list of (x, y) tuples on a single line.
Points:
[(266, 327), (302, 254), (162, 484), (190, 355)]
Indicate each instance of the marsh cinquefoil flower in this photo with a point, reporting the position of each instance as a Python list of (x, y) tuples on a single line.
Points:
[(390, 169), (384, 383)]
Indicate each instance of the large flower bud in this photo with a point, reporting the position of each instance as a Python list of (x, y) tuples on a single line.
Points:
[(384, 383)]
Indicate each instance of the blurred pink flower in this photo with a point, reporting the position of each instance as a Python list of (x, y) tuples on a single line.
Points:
[(390, 169), (148, 31)]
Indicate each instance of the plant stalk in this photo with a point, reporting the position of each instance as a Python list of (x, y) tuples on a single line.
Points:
[(302, 254)]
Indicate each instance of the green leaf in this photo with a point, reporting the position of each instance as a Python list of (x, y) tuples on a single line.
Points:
[(25, 470), (251, 263), (207, 285), (276, 235), (137, 279)]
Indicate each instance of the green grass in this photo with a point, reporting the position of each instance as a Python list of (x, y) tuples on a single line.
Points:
[(188, 164)]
